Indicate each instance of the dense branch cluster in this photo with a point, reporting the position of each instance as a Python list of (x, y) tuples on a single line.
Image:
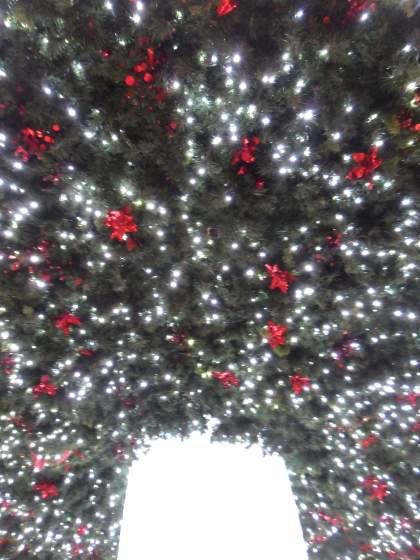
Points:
[(209, 210)]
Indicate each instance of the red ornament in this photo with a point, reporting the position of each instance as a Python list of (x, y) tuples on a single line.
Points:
[(225, 7), (121, 222), (44, 387), (368, 441), (276, 334), (260, 184), (65, 321), (227, 378), (366, 164), (130, 81), (378, 489), (46, 490), (148, 77), (280, 279), (326, 20), (298, 383)]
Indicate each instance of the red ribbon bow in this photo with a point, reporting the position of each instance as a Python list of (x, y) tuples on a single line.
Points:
[(368, 441), (122, 222), (246, 154), (358, 6), (276, 334), (44, 387), (47, 490), (227, 378), (299, 382), (65, 321), (225, 7), (378, 490), (280, 279), (366, 164)]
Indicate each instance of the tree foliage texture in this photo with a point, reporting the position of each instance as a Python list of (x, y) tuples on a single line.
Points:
[(155, 157)]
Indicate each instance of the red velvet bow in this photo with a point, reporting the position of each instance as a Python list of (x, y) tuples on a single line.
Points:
[(280, 279), (65, 321), (44, 387), (366, 164), (378, 490), (225, 7), (227, 378), (276, 334), (46, 490), (299, 382)]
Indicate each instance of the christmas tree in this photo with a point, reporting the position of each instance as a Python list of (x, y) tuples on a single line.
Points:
[(208, 211)]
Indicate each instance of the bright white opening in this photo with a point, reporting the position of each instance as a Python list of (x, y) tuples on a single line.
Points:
[(196, 500)]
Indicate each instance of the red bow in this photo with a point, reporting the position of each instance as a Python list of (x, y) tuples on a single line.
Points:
[(227, 378), (65, 321), (368, 441), (411, 398), (378, 490), (246, 154), (280, 279), (276, 334), (44, 387), (299, 383), (225, 7), (46, 489), (121, 222), (334, 240), (334, 521), (358, 6), (366, 164)]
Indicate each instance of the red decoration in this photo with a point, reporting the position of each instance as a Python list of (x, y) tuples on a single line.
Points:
[(319, 538), (260, 184), (280, 279), (33, 143), (334, 521), (326, 20), (148, 77), (87, 352), (227, 378), (276, 334), (225, 7), (82, 530), (356, 7), (121, 222), (130, 81), (335, 239), (246, 154), (38, 461), (378, 489), (46, 490), (299, 382), (366, 164), (44, 387), (8, 364), (411, 398), (368, 441), (65, 321)]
